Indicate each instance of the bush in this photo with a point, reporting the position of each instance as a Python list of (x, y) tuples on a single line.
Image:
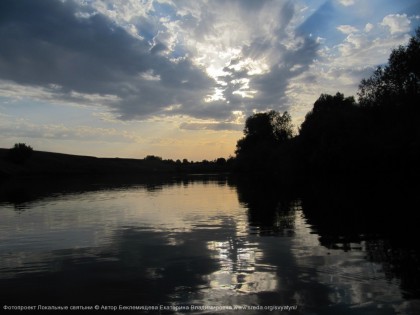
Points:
[(20, 153)]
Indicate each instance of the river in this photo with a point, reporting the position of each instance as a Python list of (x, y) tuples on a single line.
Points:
[(208, 245)]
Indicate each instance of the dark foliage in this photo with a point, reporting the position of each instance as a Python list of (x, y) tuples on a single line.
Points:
[(379, 137), (153, 158), (20, 153), (390, 99), (266, 135), (330, 137), (398, 83)]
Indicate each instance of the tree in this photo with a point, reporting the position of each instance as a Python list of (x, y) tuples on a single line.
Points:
[(391, 98), (20, 153), (397, 83), (268, 128), (328, 117), (330, 137), (282, 126), (263, 134), (271, 126), (153, 158), (220, 161)]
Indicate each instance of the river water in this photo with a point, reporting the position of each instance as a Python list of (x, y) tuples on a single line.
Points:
[(193, 245)]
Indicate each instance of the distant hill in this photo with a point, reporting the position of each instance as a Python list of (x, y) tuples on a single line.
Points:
[(58, 164), (50, 164)]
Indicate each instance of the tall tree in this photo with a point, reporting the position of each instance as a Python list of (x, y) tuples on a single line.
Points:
[(329, 138), (397, 83), (263, 133), (391, 98)]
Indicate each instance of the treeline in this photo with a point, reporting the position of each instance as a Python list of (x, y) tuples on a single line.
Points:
[(23, 161), (21, 152), (217, 165), (376, 137)]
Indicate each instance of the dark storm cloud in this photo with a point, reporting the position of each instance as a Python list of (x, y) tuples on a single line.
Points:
[(53, 43)]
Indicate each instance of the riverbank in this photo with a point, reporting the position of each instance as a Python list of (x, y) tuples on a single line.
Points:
[(51, 164)]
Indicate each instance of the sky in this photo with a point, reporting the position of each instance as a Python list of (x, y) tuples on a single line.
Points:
[(177, 78)]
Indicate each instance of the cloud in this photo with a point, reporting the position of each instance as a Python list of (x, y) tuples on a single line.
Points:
[(353, 43), (341, 67), (257, 48), (212, 126), (347, 29), (365, 49), (368, 27), (155, 58), (272, 86), (397, 23), (21, 128), (258, 71), (347, 3), (192, 59), (50, 44)]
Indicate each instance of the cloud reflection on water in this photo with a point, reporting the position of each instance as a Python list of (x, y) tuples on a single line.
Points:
[(189, 242)]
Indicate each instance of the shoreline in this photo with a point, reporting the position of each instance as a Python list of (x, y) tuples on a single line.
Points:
[(51, 164)]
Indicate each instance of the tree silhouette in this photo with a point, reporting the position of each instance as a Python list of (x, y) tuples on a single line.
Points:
[(330, 137), (377, 138), (264, 133), (391, 98), (398, 83), (20, 153)]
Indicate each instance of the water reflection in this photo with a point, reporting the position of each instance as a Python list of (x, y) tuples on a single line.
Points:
[(376, 222), (239, 269), (271, 211), (183, 241)]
